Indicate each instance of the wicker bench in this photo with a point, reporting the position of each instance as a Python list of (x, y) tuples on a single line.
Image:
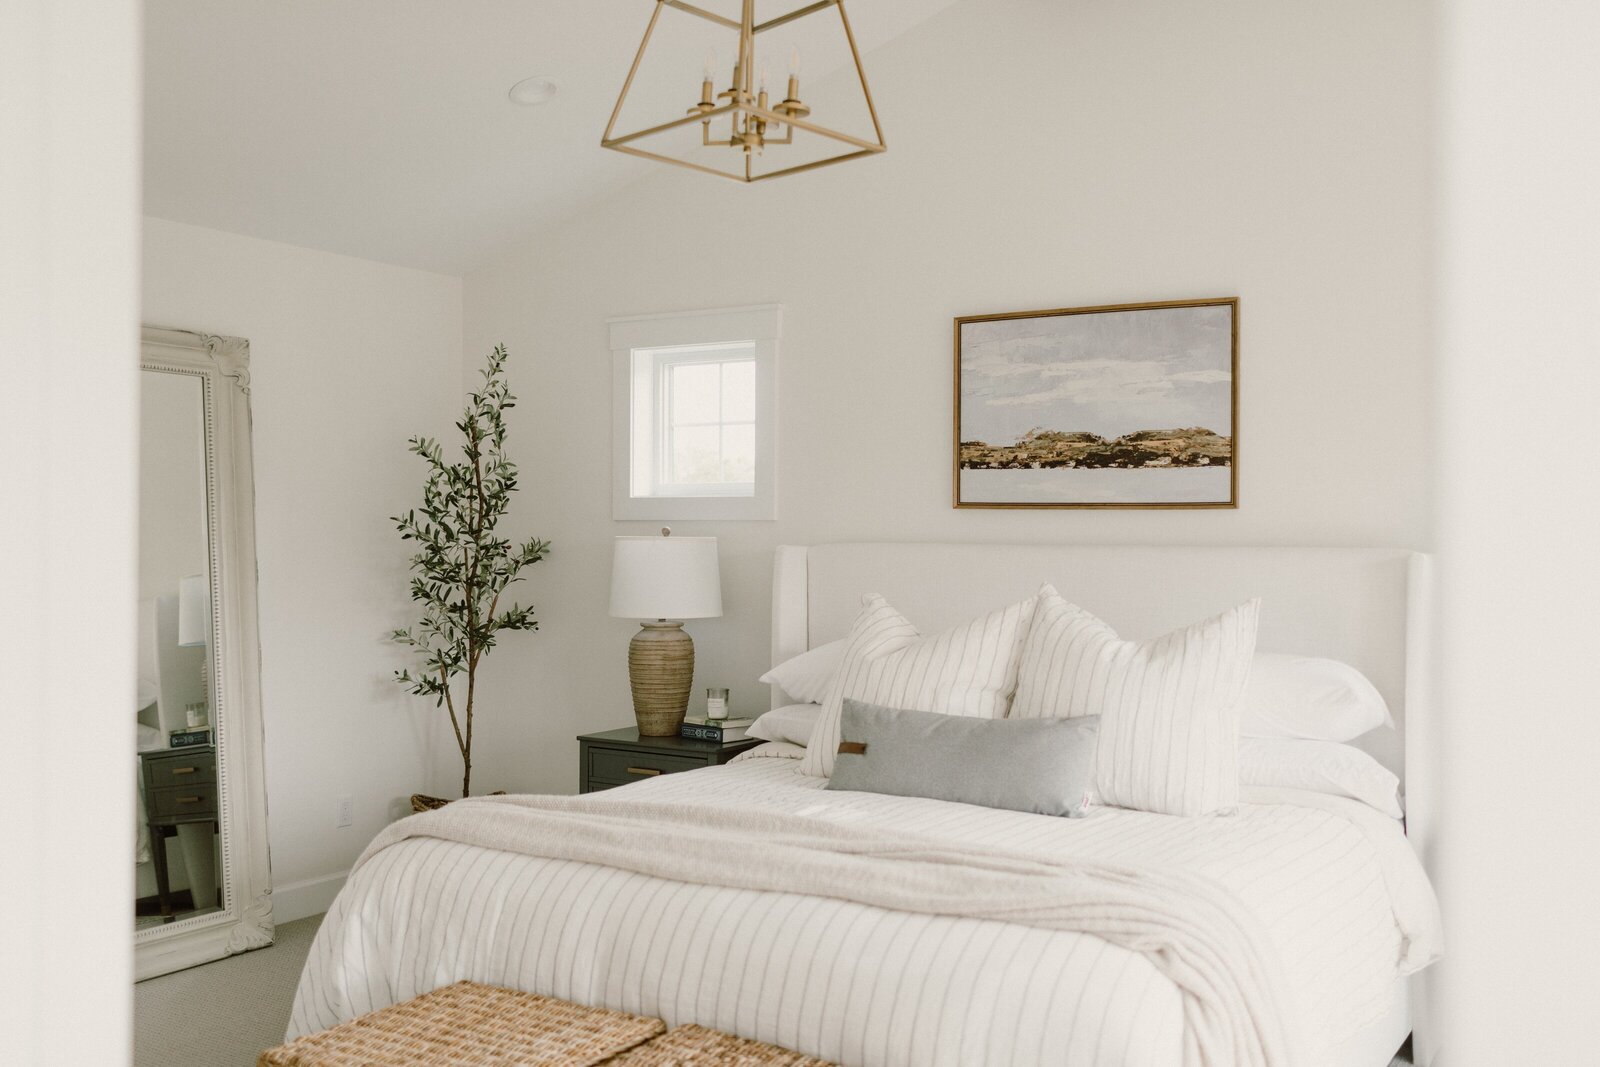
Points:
[(472, 1025)]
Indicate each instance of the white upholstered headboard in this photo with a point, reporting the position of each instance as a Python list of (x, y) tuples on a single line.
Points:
[(1359, 605)]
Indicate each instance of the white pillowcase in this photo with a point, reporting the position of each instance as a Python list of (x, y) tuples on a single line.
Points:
[(792, 723), (1321, 767), (1168, 707), (1287, 695), (968, 670), (1278, 762), (1304, 696), (806, 677)]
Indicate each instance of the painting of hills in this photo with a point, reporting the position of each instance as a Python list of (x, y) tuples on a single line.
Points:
[(1130, 406)]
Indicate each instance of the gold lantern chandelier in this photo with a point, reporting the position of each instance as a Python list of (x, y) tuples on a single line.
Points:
[(753, 122)]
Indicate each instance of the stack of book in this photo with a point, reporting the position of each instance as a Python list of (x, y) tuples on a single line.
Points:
[(722, 731)]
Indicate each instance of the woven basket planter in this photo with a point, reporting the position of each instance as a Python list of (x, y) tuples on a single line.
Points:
[(421, 802)]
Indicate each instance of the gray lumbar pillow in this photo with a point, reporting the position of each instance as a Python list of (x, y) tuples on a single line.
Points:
[(1038, 765)]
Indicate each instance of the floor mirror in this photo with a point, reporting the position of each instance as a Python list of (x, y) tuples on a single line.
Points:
[(202, 884)]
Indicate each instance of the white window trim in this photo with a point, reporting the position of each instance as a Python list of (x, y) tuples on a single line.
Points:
[(758, 325)]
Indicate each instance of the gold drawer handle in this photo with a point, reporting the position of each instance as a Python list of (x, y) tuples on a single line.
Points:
[(646, 771), (188, 800), (184, 770)]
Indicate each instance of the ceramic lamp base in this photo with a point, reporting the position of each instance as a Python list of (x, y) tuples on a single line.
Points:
[(660, 671)]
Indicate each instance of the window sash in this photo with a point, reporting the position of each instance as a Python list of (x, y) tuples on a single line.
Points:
[(663, 361)]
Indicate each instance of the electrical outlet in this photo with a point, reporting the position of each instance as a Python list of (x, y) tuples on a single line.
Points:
[(343, 811)]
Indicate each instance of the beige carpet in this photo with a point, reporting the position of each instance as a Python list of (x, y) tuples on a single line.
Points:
[(221, 1014)]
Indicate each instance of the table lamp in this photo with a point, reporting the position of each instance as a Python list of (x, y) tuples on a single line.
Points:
[(661, 581)]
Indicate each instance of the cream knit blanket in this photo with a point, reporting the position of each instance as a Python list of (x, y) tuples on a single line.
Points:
[(1195, 933)]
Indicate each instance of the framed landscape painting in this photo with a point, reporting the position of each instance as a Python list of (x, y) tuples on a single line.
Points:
[(1125, 406)]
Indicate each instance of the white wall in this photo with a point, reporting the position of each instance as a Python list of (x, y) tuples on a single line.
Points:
[(69, 268), (1519, 737), (1139, 151), (348, 359)]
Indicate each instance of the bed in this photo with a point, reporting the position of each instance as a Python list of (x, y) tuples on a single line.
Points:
[(1333, 884)]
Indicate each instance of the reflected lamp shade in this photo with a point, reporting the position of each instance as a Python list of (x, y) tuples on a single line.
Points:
[(194, 611), (662, 581)]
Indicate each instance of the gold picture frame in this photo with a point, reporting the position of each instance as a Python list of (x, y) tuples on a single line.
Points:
[(1106, 368)]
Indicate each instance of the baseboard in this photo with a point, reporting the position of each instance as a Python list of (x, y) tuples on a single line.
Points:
[(313, 896)]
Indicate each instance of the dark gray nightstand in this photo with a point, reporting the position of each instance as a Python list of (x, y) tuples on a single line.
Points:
[(180, 787), (618, 757)]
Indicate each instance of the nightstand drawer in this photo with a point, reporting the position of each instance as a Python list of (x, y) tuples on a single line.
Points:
[(181, 770), (619, 765), (184, 800)]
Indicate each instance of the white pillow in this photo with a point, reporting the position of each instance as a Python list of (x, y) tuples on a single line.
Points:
[(806, 676), (1303, 696), (1168, 707), (1321, 767), (968, 670), (792, 723)]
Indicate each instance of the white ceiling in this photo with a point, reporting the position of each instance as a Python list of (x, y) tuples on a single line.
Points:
[(381, 128)]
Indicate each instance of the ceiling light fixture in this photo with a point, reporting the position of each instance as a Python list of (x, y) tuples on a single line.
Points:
[(535, 90), (753, 121)]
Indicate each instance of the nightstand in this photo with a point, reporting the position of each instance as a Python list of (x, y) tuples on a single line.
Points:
[(180, 797), (618, 757)]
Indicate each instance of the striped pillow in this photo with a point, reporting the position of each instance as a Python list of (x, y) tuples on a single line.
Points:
[(1169, 707), (969, 670)]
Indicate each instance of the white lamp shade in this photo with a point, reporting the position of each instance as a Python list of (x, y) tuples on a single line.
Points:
[(194, 611), (665, 578)]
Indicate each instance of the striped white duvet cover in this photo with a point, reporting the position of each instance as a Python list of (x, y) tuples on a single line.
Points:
[(1331, 879)]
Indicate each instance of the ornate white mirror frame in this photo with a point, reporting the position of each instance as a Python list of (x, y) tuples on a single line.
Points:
[(222, 365)]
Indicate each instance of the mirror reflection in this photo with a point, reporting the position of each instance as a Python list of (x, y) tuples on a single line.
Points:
[(177, 813)]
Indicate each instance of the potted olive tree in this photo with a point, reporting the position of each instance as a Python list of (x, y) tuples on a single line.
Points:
[(462, 566)]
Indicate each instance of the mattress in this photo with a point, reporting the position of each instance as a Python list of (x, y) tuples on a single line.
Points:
[(1332, 881)]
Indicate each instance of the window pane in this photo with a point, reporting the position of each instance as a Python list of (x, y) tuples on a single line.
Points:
[(739, 391), (694, 455), (739, 453), (694, 392)]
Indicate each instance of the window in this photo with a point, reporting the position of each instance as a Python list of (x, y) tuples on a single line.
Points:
[(707, 402), (693, 415)]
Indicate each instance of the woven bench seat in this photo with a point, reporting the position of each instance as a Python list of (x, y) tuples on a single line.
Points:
[(472, 1025)]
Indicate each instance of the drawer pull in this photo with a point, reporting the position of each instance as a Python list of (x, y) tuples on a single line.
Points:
[(648, 772), (188, 800), (184, 770)]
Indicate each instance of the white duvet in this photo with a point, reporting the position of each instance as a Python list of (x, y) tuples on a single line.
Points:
[(1332, 881)]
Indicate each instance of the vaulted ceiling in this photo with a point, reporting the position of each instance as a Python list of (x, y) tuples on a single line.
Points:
[(382, 128)]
